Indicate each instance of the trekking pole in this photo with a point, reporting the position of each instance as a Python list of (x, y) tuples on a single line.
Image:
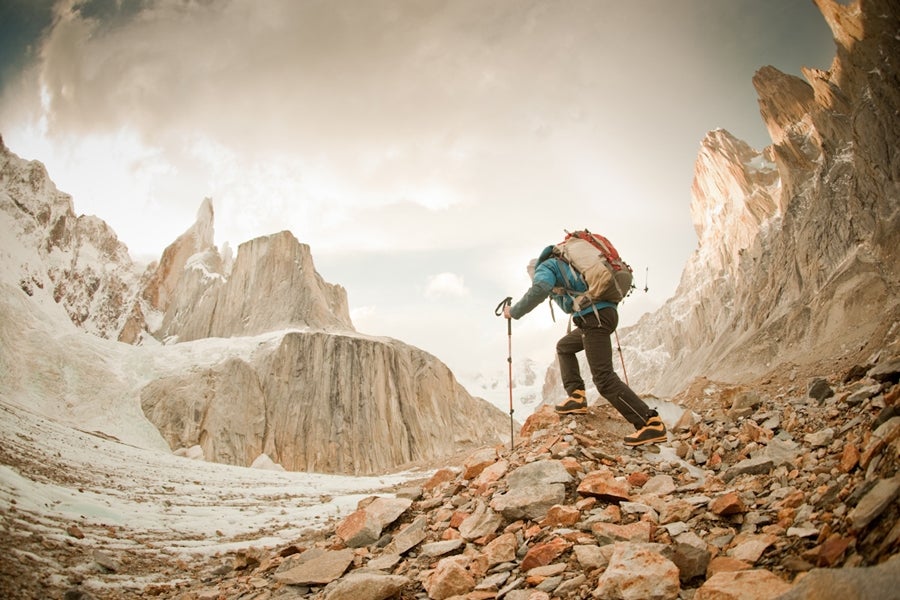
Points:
[(499, 311), (622, 358)]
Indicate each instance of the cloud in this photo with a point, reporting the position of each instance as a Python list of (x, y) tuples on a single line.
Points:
[(445, 285)]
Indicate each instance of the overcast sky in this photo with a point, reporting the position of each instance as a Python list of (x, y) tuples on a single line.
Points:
[(424, 149)]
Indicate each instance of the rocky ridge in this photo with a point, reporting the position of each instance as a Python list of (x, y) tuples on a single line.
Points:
[(785, 488), (799, 242)]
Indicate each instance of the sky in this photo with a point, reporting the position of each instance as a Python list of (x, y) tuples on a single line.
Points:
[(425, 150)]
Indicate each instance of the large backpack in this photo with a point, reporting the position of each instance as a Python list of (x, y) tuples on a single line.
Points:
[(608, 277)]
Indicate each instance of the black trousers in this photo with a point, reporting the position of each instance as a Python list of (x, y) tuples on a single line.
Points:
[(592, 334)]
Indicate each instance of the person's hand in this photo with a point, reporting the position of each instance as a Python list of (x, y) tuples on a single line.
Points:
[(506, 312)]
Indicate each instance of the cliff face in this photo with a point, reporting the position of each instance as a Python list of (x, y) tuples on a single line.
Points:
[(799, 245), (323, 402)]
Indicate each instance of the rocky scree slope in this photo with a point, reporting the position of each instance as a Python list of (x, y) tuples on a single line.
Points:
[(785, 488)]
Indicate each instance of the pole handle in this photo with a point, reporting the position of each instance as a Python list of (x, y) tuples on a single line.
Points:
[(499, 312)]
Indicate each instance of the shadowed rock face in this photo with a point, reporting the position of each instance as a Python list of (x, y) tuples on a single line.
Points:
[(799, 245)]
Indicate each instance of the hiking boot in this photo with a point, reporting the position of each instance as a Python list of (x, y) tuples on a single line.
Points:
[(654, 431), (576, 404)]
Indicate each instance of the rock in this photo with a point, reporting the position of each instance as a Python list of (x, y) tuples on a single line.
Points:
[(691, 556), (491, 473), (478, 462), (538, 473), (886, 433), (757, 584), (661, 485), (749, 548), (849, 457), (608, 533), (364, 526), (482, 522), (532, 503), (590, 556), (819, 390), (781, 452), (744, 405), (409, 537), (435, 549), (561, 516), (862, 395), (319, 569), (727, 504), (874, 502), (888, 370), (864, 583), (106, 561), (501, 549), (451, 577), (820, 438), (366, 586), (604, 485), (544, 553), (749, 466), (636, 573), (721, 564)]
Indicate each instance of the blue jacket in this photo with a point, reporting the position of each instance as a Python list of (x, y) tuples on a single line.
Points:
[(550, 277)]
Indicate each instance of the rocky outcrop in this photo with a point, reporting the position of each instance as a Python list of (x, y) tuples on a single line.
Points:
[(271, 285), (799, 245), (323, 402), (78, 260)]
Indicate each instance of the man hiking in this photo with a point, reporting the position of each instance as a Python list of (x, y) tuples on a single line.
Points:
[(554, 277)]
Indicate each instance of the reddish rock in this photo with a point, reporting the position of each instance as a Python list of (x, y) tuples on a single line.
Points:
[(727, 504), (604, 485), (757, 584), (633, 532), (638, 479), (830, 551), (561, 516), (721, 564), (542, 418), (501, 549), (543, 554), (849, 458), (478, 461), (440, 477), (450, 578), (571, 465)]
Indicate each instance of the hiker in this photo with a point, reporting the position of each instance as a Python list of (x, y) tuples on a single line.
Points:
[(554, 277)]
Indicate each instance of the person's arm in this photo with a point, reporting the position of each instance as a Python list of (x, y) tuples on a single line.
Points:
[(541, 287)]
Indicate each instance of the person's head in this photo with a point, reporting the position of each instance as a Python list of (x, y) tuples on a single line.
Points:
[(534, 262)]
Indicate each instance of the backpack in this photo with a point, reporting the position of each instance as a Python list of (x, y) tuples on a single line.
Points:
[(608, 277)]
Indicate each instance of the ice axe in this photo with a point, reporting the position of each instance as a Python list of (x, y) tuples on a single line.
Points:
[(499, 312)]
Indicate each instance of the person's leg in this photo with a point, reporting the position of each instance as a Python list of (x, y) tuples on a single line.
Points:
[(567, 350), (597, 329), (598, 348)]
